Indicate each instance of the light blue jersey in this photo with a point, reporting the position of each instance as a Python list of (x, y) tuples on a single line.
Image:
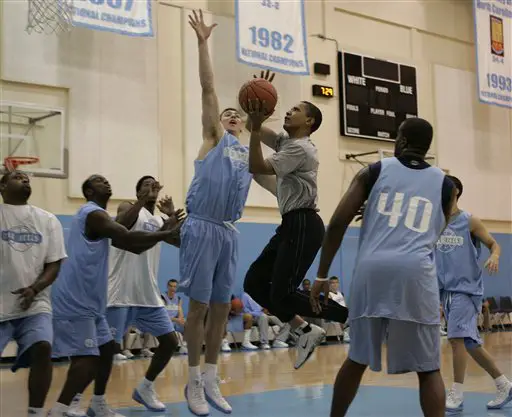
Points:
[(80, 290), (395, 272), (221, 182), (457, 256), (172, 305)]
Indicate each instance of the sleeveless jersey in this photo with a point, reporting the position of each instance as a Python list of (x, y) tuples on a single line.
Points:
[(172, 306), (395, 274), (221, 182), (132, 279), (80, 290), (457, 257)]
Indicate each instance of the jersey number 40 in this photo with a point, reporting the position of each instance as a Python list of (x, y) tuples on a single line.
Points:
[(411, 215)]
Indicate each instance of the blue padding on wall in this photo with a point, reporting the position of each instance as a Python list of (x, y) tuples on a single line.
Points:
[(254, 236)]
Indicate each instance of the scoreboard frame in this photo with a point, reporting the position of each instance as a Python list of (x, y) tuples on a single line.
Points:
[(342, 76)]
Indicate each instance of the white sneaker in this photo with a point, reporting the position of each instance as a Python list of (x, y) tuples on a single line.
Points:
[(147, 397), (146, 353), (279, 344), (307, 343), (346, 337), (194, 393), (225, 346), (128, 354), (265, 346), (443, 332), (118, 357), (454, 402), (100, 409), (249, 346), (503, 397), (183, 350), (74, 408), (214, 396)]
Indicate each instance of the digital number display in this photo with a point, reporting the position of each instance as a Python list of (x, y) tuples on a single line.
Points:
[(376, 96), (323, 91)]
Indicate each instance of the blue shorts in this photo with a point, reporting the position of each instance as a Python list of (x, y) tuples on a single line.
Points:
[(152, 320), (411, 347), (26, 331), (80, 337), (461, 313), (208, 258)]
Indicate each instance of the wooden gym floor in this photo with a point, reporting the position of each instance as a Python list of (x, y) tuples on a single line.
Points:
[(264, 383)]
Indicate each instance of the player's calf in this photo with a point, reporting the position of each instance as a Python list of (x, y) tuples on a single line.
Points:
[(40, 376)]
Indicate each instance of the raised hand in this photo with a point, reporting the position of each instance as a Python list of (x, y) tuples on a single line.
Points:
[(175, 221), (166, 206), (203, 31), (266, 75)]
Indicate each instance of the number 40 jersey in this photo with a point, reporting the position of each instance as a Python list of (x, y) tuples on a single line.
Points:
[(395, 273)]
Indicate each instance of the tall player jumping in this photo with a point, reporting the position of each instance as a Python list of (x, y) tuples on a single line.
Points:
[(462, 289), (394, 295), (31, 251), (209, 241)]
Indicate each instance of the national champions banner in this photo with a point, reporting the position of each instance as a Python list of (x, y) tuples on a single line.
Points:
[(493, 39), (271, 34), (127, 17)]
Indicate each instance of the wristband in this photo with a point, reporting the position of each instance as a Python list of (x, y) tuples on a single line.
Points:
[(321, 279)]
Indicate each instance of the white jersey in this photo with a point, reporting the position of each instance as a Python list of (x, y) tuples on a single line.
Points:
[(338, 297), (29, 238), (132, 278)]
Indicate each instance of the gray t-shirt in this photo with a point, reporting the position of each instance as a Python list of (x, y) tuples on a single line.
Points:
[(296, 165)]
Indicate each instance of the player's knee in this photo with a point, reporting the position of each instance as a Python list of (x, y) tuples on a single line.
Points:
[(247, 319), (169, 343), (41, 352), (108, 350), (196, 313)]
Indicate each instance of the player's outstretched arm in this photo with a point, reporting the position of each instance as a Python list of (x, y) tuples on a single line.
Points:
[(478, 230), (212, 129), (101, 225), (128, 213)]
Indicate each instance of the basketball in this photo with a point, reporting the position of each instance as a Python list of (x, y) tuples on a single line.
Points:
[(258, 88), (236, 305)]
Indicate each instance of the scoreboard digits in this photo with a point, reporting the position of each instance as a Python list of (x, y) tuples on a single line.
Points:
[(376, 96)]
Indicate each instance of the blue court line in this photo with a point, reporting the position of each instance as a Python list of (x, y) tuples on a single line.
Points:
[(315, 401)]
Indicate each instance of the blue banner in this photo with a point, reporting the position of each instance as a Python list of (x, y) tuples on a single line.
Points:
[(127, 17), (271, 34)]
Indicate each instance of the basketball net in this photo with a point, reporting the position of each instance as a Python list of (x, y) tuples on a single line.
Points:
[(50, 16)]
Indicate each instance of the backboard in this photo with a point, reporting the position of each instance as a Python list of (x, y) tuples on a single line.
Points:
[(28, 130)]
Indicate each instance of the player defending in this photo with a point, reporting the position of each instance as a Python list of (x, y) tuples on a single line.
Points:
[(273, 279), (31, 248), (209, 242), (80, 298), (462, 289), (394, 295)]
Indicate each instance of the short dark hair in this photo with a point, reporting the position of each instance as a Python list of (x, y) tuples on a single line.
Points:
[(306, 280), (334, 278), (5, 177), (419, 134), (227, 109), (457, 183), (87, 184), (144, 178), (315, 113), (172, 280)]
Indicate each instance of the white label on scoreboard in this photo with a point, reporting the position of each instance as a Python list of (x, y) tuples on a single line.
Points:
[(493, 25), (127, 17), (271, 34)]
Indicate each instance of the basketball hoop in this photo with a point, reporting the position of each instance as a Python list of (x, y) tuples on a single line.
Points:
[(50, 16), (11, 163)]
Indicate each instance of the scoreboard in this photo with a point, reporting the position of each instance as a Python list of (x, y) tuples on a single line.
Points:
[(376, 96)]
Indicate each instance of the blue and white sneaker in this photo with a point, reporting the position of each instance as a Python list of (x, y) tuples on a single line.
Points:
[(503, 397), (148, 398), (214, 396), (454, 402)]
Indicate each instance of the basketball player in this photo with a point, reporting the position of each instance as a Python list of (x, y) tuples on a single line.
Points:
[(462, 290), (273, 279), (31, 251), (80, 297), (394, 293), (209, 249)]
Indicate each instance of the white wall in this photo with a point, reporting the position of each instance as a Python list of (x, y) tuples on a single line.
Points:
[(423, 33)]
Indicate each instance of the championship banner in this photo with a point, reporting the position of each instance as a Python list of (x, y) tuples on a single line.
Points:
[(271, 34), (127, 17), (493, 39)]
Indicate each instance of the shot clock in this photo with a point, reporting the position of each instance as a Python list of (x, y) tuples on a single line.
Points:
[(322, 91)]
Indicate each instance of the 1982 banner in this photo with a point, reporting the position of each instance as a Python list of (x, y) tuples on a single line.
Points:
[(271, 34), (493, 26), (128, 17)]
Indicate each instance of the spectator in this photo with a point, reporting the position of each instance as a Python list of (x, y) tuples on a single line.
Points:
[(336, 295), (174, 305)]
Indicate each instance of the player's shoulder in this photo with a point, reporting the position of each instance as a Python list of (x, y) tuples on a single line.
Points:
[(37, 211)]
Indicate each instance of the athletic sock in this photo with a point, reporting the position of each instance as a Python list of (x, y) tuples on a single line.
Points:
[(97, 399), (60, 408), (35, 412), (502, 382), (303, 329), (210, 371), (145, 384), (458, 389), (247, 336), (194, 373)]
